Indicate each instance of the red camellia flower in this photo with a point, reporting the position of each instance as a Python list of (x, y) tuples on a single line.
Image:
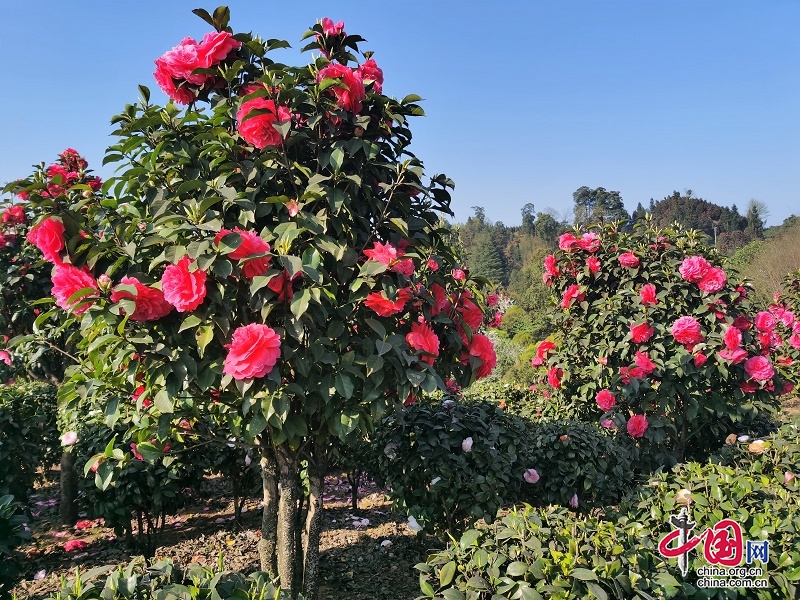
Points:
[(765, 322), (370, 71), (554, 376), (694, 268), (567, 242), (492, 299), (252, 244), (605, 400), (736, 355), (643, 361), (440, 300), (384, 307), (15, 215), (253, 352), (184, 289), (67, 281), (732, 338), (404, 267), (482, 348), (687, 331), (589, 242), (648, 294), (551, 269), (283, 285), (351, 93), (748, 387), (73, 545), (215, 47), (48, 236), (383, 253), (628, 373), (629, 259), (150, 302), (573, 292), (470, 312), (331, 28), (593, 263), (637, 425), (542, 351), (433, 265), (177, 65), (700, 359), (713, 281), (423, 338), (759, 368), (259, 130), (459, 274), (641, 333)]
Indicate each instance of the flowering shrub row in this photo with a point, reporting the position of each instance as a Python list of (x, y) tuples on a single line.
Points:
[(656, 340)]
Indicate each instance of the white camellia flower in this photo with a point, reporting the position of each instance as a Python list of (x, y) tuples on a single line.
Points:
[(69, 438), (466, 445), (413, 525)]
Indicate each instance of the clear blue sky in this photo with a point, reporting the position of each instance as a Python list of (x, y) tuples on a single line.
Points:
[(525, 101)]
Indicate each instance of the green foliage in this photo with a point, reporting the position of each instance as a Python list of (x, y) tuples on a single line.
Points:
[(134, 482), (29, 437), (688, 404), (167, 581), (422, 456), (598, 205), (549, 552), (574, 458), (13, 532)]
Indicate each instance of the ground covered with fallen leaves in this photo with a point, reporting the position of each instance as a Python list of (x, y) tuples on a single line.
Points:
[(367, 553)]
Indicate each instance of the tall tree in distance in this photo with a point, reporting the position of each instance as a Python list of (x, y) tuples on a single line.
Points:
[(597, 206), (757, 213)]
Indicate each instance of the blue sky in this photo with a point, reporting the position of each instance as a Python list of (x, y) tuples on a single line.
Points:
[(525, 101)]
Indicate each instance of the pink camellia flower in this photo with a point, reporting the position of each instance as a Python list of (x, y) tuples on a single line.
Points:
[(423, 338), (593, 263), (135, 452), (637, 425), (331, 28), (73, 545), (786, 317), (253, 352), (628, 373), (629, 259), (215, 47), (48, 236), (765, 322), (404, 266), (735, 356), (14, 215), (177, 65), (259, 130), (687, 331), (648, 294), (605, 400), (642, 360), (69, 438), (5, 357), (466, 445), (470, 312), (567, 242), (542, 351), (589, 242), (293, 207), (184, 289), (608, 424), (385, 307), (551, 270), (252, 244), (482, 348), (459, 274), (433, 265), (788, 388), (84, 524), (150, 302), (67, 281), (700, 359), (788, 477), (732, 338), (370, 71), (573, 502), (759, 368), (497, 320), (554, 376), (794, 341), (492, 299), (694, 268), (713, 281), (530, 475), (573, 292), (350, 94), (641, 333), (383, 253)]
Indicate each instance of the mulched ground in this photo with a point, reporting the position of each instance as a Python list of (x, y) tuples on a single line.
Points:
[(368, 554)]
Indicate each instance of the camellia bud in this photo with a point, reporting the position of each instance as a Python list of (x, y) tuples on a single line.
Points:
[(731, 439), (683, 497), (788, 477), (104, 283)]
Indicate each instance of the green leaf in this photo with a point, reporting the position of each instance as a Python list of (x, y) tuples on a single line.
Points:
[(299, 303), (447, 573), (344, 385), (517, 569), (584, 575), (149, 452), (426, 587), (203, 336), (470, 537), (598, 591)]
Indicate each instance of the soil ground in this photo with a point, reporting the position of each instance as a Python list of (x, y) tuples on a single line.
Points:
[(357, 563)]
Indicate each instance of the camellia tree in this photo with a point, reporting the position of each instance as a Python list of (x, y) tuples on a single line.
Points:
[(270, 257), (656, 340)]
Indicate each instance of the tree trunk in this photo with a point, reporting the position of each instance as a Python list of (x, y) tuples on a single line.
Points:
[(68, 504), (317, 465), (288, 560), (268, 544)]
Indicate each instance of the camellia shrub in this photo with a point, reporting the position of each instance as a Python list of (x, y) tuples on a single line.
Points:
[(785, 327), (269, 253), (448, 464), (656, 341), (13, 532)]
